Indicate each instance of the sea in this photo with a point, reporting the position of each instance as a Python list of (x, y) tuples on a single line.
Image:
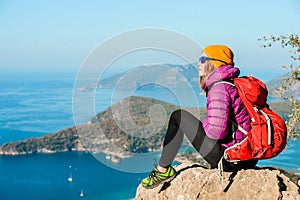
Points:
[(38, 105)]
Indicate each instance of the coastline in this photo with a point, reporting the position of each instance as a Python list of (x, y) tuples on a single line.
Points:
[(114, 156)]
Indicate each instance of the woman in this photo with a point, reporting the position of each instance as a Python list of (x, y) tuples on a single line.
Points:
[(212, 136)]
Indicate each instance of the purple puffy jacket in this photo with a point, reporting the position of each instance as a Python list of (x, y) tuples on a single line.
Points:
[(224, 105)]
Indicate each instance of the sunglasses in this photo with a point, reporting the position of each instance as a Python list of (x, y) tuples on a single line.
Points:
[(202, 59)]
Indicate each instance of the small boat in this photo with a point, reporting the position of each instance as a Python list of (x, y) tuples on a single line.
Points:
[(70, 179), (81, 193)]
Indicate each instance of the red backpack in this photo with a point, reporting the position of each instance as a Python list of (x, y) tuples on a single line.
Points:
[(268, 134)]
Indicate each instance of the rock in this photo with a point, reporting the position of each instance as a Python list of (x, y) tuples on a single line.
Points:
[(195, 182)]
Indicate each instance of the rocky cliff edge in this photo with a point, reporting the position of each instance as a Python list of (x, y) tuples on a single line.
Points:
[(195, 182)]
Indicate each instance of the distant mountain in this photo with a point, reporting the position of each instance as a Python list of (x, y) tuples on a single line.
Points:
[(111, 139), (275, 83), (172, 76)]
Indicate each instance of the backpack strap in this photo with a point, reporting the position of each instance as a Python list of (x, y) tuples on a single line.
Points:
[(230, 82), (269, 126), (226, 82)]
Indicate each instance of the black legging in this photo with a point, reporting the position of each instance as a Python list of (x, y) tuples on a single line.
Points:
[(182, 122)]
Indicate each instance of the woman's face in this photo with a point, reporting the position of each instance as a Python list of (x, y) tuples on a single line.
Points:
[(201, 66)]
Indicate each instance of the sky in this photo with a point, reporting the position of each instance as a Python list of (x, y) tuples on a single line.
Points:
[(57, 36)]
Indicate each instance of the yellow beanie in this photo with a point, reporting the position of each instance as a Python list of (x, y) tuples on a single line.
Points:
[(219, 52)]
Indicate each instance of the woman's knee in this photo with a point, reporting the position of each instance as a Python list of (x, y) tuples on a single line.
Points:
[(176, 115)]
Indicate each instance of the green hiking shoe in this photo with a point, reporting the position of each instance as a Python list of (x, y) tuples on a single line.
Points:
[(156, 177)]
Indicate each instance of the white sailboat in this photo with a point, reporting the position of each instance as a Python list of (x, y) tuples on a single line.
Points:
[(81, 193), (70, 179)]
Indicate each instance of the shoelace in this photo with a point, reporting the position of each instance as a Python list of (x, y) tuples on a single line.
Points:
[(154, 177), (153, 172)]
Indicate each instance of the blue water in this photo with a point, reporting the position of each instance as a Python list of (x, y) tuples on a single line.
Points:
[(35, 107), (44, 176)]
